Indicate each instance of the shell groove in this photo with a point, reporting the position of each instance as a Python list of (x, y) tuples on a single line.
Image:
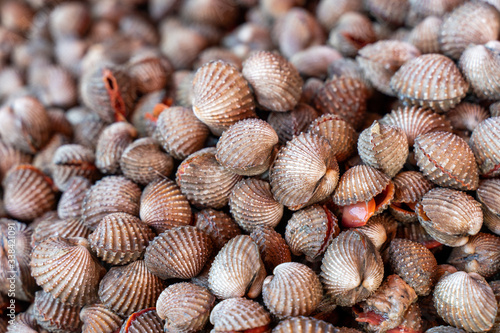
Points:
[(112, 142), (55, 316), (71, 201), (353, 31), (72, 160), (425, 35), (307, 325), (466, 116), (239, 314), (272, 247), (97, 318), (142, 321), (292, 123), (488, 194), (218, 225), (485, 143), (64, 228)]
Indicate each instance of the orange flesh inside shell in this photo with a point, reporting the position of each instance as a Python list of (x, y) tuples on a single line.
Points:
[(404, 207), (375, 319)]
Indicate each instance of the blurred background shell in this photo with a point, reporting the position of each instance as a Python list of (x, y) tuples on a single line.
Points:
[(425, 35), (272, 247), (488, 194), (314, 61), (218, 225), (23, 322), (352, 32), (112, 142), (53, 315), (239, 314), (97, 318), (328, 12), (292, 123), (10, 157), (149, 70), (73, 160), (485, 143)]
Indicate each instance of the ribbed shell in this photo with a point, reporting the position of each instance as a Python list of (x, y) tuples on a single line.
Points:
[(130, 288), (178, 253), (237, 270), (434, 7), (449, 216), (72, 160), (218, 225), (376, 231), (71, 201), (353, 31), (444, 329), (414, 263), (163, 206), (120, 238), (24, 322), (143, 161), (344, 96), (218, 53), (179, 132), (111, 194), (66, 269), (204, 181), (143, 321), (239, 314), (311, 230), (252, 205), (185, 307), (465, 300), (306, 325), (488, 194), (27, 192), (276, 83), (430, 80), (466, 116), (221, 96), (304, 172), (97, 318), (340, 133), (43, 159), (71, 227), (480, 255), (247, 147), (144, 118), (425, 35), (435, 154), (292, 123), (329, 11), (272, 247), (149, 70), (485, 143), (10, 157), (379, 61), (54, 316), (314, 61), (293, 290), (351, 269), (112, 142), (471, 23)]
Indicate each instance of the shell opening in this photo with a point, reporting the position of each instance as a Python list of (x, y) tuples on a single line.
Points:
[(385, 196), (404, 207), (114, 95)]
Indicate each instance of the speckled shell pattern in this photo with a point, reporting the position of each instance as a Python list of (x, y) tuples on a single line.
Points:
[(306, 325), (239, 314), (485, 143), (425, 35), (97, 318), (142, 321), (71, 227), (53, 315)]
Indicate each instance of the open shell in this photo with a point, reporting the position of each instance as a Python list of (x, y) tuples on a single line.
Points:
[(97, 318), (488, 194), (272, 247), (239, 314), (485, 143)]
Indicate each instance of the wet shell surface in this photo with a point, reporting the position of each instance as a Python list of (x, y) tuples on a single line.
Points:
[(304, 172), (465, 300), (375, 230), (97, 318), (292, 123), (55, 316), (111, 144), (293, 290), (272, 247), (435, 154), (352, 268), (142, 321), (485, 143), (72, 160), (70, 203), (449, 216), (218, 225), (239, 314), (221, 96), (488, 194), (178, 253), (441, 87)]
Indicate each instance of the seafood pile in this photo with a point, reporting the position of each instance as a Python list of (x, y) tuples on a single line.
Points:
[(284, 166)]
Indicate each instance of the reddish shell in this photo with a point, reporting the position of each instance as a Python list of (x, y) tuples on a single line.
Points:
[(352, 32), (146, 320), (54, 226), (425, 35), (488, 194), (97, 318), (272, 247), (10, 157), (240, 315)]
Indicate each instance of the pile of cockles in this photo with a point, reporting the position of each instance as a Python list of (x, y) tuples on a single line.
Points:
[(284, 166)]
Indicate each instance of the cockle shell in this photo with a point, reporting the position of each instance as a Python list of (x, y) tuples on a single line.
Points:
[(314, 61), (28, 192), (72, 160), (218, 53), (130, 288), (138, 27), (62, 27), (434, 153), (449, 216), (392, 12), (238, 315), (111, 144), (352, 269), (24, 322), (308, 325), (304, 172), (445, 329), (247, 147), (466, 116), (488, 194), (178, 253), (251, 204), (55, 316), (353, 31), (237, 270), (143, 321), (10, 157), (485, 143), (70, 203), (350, 68), (416, 232), (71, 227), (434, 7), (43, 160), (440, 85), (272, 247), (65, 268), (145, 116), (328, 12), (465, 300), (97, 318), (293, 290), (185, 307), (425, 35), (216, 110), (292, 123), (149, 70), (218, 225), (53, 85), (87, 126)]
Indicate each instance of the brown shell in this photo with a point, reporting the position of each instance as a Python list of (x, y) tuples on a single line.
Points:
[(111, 194), (65, 268), (87, 126), (238, 315), (178, 253), (350, 68), (112, 142), (143, 321), (307, 325), (183, 82), (304, 172), (71, 201), (55, 316), (353, 31), (237, 270), (351, 269), (328, 12), (293, 290), (73, 160), (338, 132), (449, 216), (23, 322), (143, 161), (218, 53), (185, 307), (434, 7), (272, 247), (379, 61), (97, 318), (488, 194), (53, 85), (120, 238), (465, 300), (43, 160), (276, 83), (247, 147), (425, 35), (392, 12), (440, 84), (218, 225), (292, 123), (472, 22), (466, 116), (311, 230), (130, 288), (314, 61), (414, 263), (64, 228), (445, 329), (485, 143), (28, 192), (163, 206), (376, 231), (144, 118), (10, 157), (149, 70), (433, 151), (480, 255), (204, 181), (219, 111), (179, 132)]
